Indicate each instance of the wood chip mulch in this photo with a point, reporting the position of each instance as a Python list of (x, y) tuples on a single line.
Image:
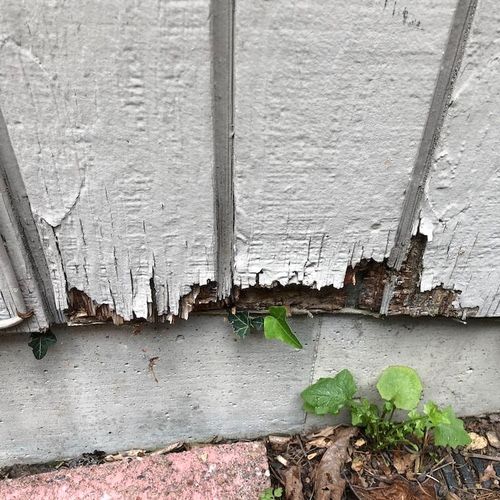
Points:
[(324, 465)]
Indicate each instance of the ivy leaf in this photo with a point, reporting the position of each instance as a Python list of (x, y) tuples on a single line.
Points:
[(241, 323), (448, 430), (401, 385), (329, 395), (40, 343), (276, 327), (258, 323)]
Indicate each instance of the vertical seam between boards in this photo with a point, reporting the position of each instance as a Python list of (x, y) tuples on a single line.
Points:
[(447, 75), (222, 54)]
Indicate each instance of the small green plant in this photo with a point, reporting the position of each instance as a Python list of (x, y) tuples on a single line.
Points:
[(401, 389), (40, 343), (271, 494), (274, 325)]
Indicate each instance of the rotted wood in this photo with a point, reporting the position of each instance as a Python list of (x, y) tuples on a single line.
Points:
[(407, 299), (363, 291)]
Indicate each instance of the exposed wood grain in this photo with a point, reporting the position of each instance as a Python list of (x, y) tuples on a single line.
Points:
[(24, 286), (462, 204), (363, 290), (222, 14), (408, 299), (331, 99), (109, 112), (446, 77)]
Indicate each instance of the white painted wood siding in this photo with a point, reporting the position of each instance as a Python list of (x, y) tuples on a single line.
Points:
[(462, 209), (109, 111), (121, 117), (331, 99)]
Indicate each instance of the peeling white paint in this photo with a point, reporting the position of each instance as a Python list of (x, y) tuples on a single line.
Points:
[(331, 100), (109, 112), (464, 184)]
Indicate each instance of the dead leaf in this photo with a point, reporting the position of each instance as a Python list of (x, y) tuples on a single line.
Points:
[(125, 454), (325, 432), (329, 482), (321, 442), (477, 442), (451, 496), (488, 474), (293, 483), (493, 439), (398, 490), (359, 443), (403, 462), (357, 464), (168, 449), (279, 441)]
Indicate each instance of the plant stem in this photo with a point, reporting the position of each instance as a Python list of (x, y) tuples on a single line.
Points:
[(392, 414)]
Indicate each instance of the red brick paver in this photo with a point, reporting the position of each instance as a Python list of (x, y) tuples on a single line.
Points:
[(223, 472)]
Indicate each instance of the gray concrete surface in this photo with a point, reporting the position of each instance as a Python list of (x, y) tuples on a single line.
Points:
[(95, 389)]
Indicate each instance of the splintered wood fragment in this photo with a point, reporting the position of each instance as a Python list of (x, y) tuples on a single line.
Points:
[(482, 457), (151, 367)]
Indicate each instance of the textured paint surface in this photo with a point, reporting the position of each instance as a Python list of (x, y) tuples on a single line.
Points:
[(95, 390), (461, 213), (21, 281), (331, 99), (109, 113)]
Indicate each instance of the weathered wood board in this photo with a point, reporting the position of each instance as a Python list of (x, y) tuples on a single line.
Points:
[(330, 103), (108, 107), (461, 213), (24, 288)]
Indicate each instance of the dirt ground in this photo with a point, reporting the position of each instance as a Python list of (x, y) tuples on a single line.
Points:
[(304, 469)]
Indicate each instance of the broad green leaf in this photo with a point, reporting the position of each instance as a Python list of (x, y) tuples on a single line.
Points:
[(40, 343), (241, 323), (452, 433), (276, 327), (329, 395), (308, 408), (401, 385), (363, 413), (278, 312), (435, 415)]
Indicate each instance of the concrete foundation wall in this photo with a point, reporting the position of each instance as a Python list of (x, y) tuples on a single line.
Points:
[(96, 388)]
